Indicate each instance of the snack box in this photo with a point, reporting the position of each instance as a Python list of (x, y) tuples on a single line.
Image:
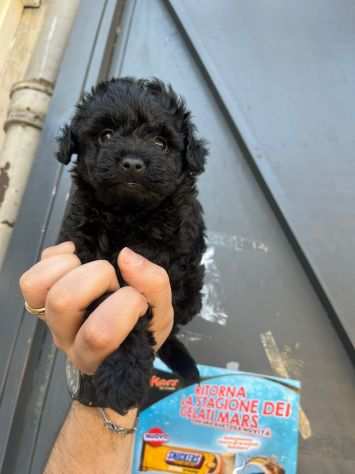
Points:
[(230, 423)]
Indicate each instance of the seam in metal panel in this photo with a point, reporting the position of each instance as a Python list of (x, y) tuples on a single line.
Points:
[(127, 20), (94, 49), (114, 38)]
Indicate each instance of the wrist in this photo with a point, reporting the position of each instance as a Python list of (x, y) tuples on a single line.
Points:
[(86, 445), (127, 421), (82, 388), (93, 416)]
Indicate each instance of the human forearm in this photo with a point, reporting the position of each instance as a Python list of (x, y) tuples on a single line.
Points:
[(85, 445)]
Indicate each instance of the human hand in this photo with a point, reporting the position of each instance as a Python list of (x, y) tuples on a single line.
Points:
[(65, 287)]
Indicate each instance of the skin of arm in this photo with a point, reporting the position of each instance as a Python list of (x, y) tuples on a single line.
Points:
[(84, 444)]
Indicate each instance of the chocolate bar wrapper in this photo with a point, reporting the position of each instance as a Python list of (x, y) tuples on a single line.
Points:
[(231, 423)]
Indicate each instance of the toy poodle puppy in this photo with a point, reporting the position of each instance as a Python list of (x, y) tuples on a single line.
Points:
[(138, 157)]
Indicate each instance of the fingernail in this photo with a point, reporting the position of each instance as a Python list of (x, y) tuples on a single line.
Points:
[(131, 258)]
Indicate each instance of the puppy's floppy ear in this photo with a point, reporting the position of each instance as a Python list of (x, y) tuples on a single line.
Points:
[(195, 148), (67, 142)]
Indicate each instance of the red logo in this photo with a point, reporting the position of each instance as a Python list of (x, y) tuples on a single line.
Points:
[(163, 384), (155, 437)]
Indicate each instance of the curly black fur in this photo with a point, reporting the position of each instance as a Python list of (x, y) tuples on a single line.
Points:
[(153, 211)]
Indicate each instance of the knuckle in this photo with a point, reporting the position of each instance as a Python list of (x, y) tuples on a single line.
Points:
[(46, 252), (105, 269), (104, 266), (73, 259), (136, 299), (26, 282), (59, 299), (29, 283), (95, 338)]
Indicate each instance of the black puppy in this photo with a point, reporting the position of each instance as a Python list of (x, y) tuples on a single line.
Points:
[(134, 185)]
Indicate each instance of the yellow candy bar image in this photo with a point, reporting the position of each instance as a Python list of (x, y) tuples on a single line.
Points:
[(167, 458)]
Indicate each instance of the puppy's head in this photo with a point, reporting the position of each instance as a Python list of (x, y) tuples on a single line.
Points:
[(135, 142)]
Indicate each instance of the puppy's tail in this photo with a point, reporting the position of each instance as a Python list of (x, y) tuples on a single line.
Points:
[(175, 355)]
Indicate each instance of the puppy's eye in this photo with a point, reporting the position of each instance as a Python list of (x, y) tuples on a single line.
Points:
[(161, 143), (105, 136)]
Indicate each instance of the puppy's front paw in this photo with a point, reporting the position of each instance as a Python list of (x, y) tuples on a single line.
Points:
[(122, 380)]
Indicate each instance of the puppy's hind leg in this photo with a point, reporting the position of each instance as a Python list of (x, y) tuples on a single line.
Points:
[(122, 380), (175, 355)]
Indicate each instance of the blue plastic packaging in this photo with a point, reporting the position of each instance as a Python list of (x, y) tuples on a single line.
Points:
[(230, 423)]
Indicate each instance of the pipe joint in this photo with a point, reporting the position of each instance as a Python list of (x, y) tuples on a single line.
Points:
[(29, 103)]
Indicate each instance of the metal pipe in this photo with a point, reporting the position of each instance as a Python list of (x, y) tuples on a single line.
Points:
[(27, 110)]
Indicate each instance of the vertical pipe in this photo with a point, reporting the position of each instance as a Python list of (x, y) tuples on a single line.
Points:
[(27, 110)]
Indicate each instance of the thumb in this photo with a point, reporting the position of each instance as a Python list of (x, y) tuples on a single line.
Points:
[(153, 282)]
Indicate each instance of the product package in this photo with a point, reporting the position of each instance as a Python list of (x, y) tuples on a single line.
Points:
[(232, 422)]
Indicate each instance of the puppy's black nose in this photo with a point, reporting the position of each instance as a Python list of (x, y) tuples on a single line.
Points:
[(132, 165)]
